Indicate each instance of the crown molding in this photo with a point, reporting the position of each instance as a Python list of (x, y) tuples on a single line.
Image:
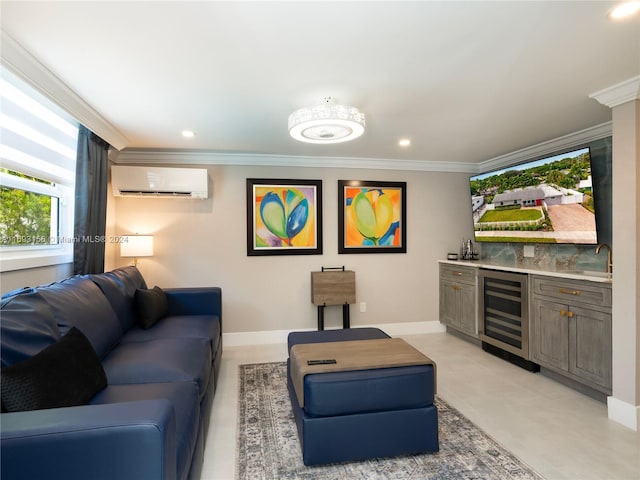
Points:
[(619, 93), (140, 156), (200, 157), (555, 145), (21, 63)]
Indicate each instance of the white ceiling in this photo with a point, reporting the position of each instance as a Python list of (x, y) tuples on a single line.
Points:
[(465, 81)]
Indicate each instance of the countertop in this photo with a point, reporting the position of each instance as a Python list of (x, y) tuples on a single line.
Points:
[(589, 275)]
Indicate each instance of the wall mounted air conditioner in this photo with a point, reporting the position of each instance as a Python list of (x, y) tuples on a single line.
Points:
[(160, 182)]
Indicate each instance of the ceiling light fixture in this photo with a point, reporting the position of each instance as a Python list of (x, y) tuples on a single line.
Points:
[(188, 133), (327, 122), (624, 10), (404, 142)]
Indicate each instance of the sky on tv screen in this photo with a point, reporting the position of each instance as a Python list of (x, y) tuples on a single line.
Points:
[(534, 163)]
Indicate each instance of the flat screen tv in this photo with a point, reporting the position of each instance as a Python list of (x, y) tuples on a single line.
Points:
[(549, 200)]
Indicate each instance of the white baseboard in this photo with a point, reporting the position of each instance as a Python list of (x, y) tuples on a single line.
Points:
[(623, 413), (235, 339), (409, 328)]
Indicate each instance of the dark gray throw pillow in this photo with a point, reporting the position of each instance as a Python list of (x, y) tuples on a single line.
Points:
[(65, 374), (151, 306)]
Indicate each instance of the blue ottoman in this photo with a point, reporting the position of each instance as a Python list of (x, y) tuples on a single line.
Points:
[(357, 415)]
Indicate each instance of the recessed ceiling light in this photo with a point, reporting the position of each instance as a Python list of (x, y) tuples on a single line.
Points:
[(404, 142), (188, 133), (624, 10)]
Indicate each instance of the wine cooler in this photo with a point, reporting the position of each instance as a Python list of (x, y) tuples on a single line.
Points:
[(504, 315)]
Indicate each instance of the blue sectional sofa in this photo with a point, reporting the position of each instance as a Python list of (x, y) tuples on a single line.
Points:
[(121, 377)]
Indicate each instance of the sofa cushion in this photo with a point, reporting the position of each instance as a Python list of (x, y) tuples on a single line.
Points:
[(179, 326), (130, 277), (381, 389), (114, 290), (151, 305), (119, 286), (184, 398), (340, 335), (27, 327), (78, 302), (65, 374), (163, 360)]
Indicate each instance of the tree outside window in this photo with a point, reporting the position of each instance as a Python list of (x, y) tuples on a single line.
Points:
[(27, 217)]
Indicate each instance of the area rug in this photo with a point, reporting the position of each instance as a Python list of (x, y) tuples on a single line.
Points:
[(268, 447)]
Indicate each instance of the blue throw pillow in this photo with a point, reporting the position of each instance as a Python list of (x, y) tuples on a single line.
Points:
[(65, 374)]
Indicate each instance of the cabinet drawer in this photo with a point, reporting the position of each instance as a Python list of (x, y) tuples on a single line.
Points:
[(458, 273), (573, 291)]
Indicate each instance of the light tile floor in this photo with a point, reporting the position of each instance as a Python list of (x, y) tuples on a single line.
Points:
[(562, 434)]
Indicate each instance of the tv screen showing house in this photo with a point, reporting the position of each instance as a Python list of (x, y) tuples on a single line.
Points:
[(542, 201)]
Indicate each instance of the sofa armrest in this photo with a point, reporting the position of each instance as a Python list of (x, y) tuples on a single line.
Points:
[(124, 441), (195, 301)]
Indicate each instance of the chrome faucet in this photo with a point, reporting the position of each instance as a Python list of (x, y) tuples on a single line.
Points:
[(609, 259)]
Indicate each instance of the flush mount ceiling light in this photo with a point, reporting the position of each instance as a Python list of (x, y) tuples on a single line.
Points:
[(327, 122)]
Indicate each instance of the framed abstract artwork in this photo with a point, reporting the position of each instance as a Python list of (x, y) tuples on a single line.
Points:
[(284, 217), (372, 217)]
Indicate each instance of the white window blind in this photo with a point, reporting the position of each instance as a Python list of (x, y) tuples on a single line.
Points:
[(38, 142)]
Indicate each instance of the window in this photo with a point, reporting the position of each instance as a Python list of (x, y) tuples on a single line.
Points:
[(37, 174)]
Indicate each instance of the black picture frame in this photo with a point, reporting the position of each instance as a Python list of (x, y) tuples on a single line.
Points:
[(275, 210), (351, 239)]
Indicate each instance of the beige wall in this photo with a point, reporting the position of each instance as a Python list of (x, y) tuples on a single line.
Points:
[(203, 242), (34, 276), (626, 249)]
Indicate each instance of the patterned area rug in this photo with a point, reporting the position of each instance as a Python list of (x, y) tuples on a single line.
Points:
[(268, 448)]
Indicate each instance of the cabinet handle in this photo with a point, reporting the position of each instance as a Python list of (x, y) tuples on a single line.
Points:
[(562, 313), (570, 314), (570, 292), (455, 287), (458, 273)]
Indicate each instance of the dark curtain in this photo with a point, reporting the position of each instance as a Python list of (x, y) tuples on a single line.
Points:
[(90, 220)]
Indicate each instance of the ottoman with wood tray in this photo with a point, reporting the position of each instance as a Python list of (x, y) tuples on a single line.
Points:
[(376, 400)]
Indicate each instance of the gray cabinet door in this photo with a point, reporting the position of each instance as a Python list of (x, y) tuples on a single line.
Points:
[(573, 339), (467, 308), (458, 306), (449, 303), (590, 345), (550, 331)]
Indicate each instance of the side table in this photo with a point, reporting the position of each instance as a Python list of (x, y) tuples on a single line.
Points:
[(333, 286)]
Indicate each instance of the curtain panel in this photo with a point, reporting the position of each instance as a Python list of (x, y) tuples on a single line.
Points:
[(90, 217)]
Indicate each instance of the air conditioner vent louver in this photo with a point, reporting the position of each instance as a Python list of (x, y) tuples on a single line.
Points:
[(159, 182), (153, 193)]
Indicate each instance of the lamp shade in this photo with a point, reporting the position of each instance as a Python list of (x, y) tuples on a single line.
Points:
[(136, 246)]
